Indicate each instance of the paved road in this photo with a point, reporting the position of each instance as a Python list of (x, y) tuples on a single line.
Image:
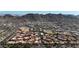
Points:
[(7, 38)]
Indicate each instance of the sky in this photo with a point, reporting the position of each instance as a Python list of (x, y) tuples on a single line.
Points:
[(40, 12)]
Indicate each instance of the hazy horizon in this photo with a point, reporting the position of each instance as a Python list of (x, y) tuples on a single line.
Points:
[(38, 12)]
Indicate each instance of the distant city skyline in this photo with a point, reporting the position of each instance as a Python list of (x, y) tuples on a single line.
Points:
[(39, 12)]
